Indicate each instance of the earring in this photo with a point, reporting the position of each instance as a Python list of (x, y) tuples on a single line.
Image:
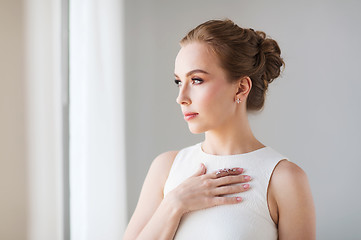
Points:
[(238, 100)]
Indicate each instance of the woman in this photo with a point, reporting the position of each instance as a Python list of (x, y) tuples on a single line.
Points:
[(230, 186)]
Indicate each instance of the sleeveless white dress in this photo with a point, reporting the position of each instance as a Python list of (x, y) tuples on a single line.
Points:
[(249, 219)]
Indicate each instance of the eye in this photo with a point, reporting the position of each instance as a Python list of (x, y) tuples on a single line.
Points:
[(177, 82), (197, 80)]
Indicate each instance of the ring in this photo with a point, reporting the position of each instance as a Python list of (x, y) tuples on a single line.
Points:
[(227, 170)]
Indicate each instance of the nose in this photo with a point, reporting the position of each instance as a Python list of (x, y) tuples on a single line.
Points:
[(183, 97)]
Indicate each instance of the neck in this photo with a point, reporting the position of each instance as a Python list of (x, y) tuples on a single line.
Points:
[(235, 137)]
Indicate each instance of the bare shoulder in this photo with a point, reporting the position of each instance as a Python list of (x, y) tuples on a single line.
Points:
[(288, 171), (165, 159), (162, 164), (295, 208), (288, 179)]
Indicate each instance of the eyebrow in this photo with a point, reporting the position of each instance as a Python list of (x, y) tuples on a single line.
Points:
[(194, 71)]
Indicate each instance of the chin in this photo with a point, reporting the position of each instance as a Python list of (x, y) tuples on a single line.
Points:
[(196, 130)]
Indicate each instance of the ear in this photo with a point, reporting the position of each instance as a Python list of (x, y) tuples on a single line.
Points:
[(244, 86)]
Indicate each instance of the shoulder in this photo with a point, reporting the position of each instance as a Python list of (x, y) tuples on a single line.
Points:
[(164, 160), (166, 156), (161, 165), (292, 193), (288, 171), (288, 179)]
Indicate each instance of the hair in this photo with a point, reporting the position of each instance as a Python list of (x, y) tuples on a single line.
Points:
[(242, 52)]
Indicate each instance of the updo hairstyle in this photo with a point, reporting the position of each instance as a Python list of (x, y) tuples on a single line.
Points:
[(242, 52)]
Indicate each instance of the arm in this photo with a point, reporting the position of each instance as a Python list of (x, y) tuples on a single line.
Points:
[(150, 204), (292, 193)]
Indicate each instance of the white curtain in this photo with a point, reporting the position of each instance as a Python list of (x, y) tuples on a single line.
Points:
[(44, 132), (97, 151)]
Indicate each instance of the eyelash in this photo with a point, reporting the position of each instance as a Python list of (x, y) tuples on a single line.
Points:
[(193, 79)]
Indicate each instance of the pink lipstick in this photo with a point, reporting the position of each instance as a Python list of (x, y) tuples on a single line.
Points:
[(189, 115)]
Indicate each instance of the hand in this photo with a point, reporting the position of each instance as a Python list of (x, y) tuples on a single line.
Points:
[(206, 190)]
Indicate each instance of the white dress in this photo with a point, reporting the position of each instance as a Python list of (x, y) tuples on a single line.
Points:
[(249, 219)]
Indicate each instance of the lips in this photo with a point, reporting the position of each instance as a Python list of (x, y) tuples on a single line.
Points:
[(190, 115)]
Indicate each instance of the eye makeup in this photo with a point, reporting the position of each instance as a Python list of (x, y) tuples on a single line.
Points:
[(195, 81)]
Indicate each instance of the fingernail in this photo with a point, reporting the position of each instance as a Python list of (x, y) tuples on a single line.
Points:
[(239, 170), (247, 178), (245, 186), (238, 199), (202, 167)]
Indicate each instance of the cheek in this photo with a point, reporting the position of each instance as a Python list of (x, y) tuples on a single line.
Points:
[(216, 98)]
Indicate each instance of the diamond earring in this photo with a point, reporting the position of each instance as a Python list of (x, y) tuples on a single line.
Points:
[(238, 100)]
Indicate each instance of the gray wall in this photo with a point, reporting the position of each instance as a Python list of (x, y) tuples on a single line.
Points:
[(312, 112)]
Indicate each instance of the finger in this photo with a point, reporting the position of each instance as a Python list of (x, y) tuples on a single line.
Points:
[(226, 200), (226, 172), (227, 180), (200, 171), (230, 189)]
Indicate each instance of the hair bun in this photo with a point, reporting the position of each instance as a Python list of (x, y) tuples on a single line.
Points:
[(272, 56)]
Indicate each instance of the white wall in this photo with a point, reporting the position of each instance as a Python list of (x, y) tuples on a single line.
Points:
[(312, 112), (13, 195), (31, 174)]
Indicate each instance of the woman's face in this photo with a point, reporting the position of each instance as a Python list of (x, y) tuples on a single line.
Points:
[(203, 89)]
